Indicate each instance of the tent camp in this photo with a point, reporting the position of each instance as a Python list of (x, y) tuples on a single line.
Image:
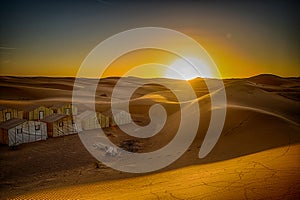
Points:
[(59, 125), (17, 131), (88, 120)]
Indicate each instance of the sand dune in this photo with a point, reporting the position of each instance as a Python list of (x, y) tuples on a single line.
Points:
[(257, 176), (256, 156)]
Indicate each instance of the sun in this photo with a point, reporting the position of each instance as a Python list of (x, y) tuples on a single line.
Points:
[(187, 69)]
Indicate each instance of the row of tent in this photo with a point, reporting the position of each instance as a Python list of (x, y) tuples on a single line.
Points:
[(35, 112), (36, 123)]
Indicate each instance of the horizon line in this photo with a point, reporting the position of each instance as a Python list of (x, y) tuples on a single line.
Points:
[(45, 76)]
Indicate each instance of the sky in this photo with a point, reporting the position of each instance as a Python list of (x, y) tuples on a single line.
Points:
[(244, 38)]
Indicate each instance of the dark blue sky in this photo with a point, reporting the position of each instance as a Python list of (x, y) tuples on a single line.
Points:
[(36, 35)]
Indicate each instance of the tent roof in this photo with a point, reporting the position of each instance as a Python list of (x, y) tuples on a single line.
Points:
[(8, 106), (25, 107), (31, 107), (86, 114), (12, 123), (53, 118)]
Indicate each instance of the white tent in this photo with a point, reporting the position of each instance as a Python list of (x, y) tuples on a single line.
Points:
[(89, 120), (121, 117), (17, 131)]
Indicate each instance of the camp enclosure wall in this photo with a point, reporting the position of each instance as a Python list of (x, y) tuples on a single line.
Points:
[(17, 131), (89, 120), (9, 113), (36, 112), (64, 109), (59, 125)]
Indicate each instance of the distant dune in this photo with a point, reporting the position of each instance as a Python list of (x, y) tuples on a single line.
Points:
[(263, 116)]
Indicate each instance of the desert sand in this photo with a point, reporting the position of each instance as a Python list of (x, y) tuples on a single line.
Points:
[(256, 157)]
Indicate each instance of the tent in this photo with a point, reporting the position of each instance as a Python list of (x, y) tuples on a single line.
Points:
[(9, 113), (17, 131), (59, 125), (121, 117), (89, 120)]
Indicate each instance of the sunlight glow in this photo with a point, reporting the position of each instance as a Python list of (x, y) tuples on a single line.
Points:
[(182, 69)]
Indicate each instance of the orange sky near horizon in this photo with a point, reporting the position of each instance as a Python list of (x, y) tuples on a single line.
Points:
[(231, 60)]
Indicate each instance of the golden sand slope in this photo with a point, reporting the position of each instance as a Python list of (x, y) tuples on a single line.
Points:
[(271, 174)]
